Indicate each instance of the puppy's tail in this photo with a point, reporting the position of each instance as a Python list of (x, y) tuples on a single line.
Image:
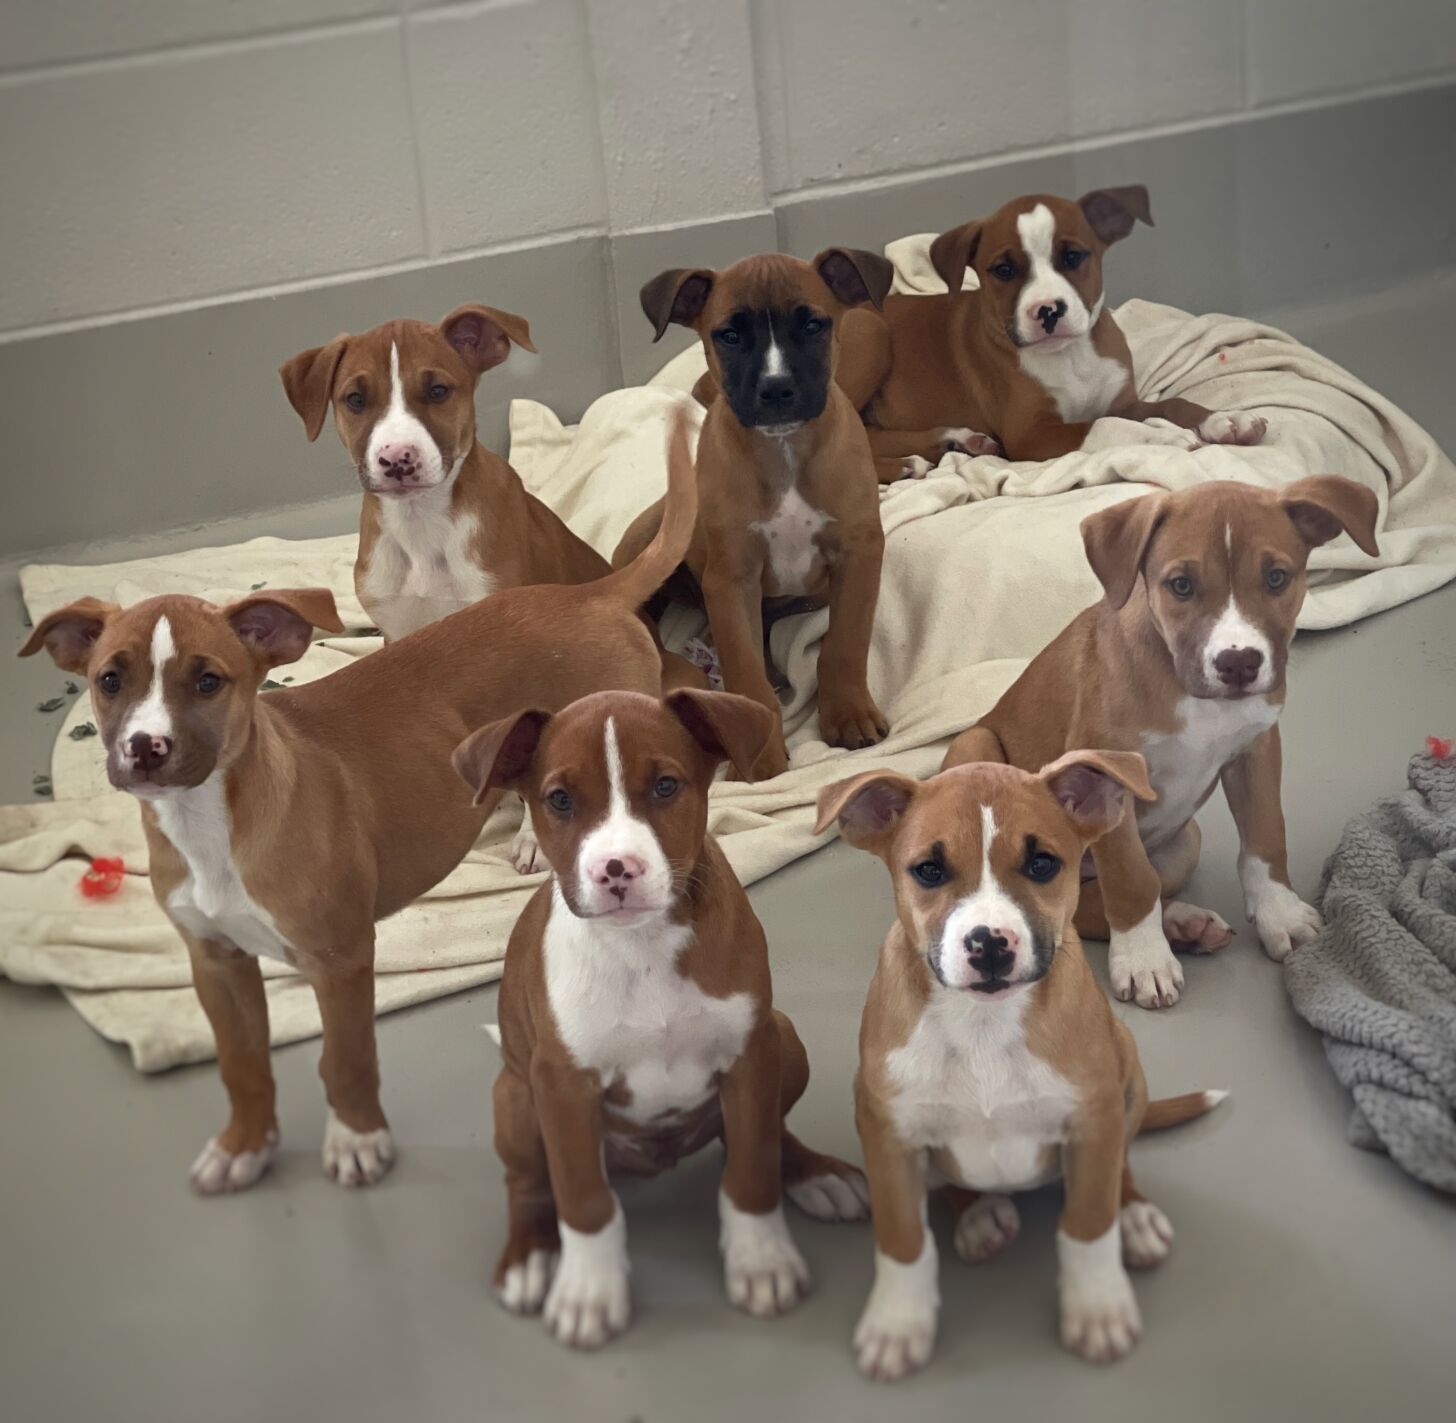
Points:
[(640, 579), (1174, 1111)]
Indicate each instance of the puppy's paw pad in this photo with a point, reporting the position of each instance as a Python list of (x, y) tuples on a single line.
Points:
[(1103, 1324), (219, 1172), (762, 1269), (838, 1195), (1147, 1235), (985, 1228), (890, 1343), (356, 1158), (1195, 930), (523, 1288), (1233, 427)]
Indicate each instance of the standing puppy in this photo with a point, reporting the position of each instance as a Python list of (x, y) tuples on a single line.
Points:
[(788, 504), (990, 1060), (636, 1011), (1031, 359), (1182, 661)]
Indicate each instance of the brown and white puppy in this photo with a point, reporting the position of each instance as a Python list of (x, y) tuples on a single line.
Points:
[(285, 826), (990, 1060), (636, 1011), (1030, 360), (788, 504), (1183, 661)]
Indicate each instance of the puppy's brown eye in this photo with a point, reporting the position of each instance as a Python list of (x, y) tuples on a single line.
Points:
[(437, 393), (355, 401), (1004, 271), (665, 788), (727, 337), (1073, 258), (1181, 586), (1277, 579), (1041, 866), (929, 873), (559, 801), (209, 684), (814, 325), (110, 683)]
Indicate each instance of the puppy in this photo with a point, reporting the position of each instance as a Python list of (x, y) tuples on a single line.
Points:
[(788, 504), (636, 1011), (1028, 361), (1183, 660), (989, 1057)]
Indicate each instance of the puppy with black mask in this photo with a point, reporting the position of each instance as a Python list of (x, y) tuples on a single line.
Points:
[(789, 510)]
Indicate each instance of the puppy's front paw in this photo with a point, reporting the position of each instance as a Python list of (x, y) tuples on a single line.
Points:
[(835, 1191), (526, 853), (356, 1158), (1283, 921), (522, 1285), (220, 1172), (1099, 1312), (896, 1333), (589, 1300), (851, 719), (1141, 964), (1233, 427), (962, 440), (1147, 1235), (915, 467), (1195, 930), (985, 1228), (762, 1268)]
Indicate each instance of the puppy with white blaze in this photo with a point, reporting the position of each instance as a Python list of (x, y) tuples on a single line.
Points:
[(636, 1011), (990, 1059)]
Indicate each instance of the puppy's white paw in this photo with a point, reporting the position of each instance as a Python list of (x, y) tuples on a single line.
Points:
[(832, 1196), (1201, 931), (356, 1158), (986, 1227), (1142, 966), (1099, 1312), (961, 439), (762, 1268), (896, 1333), (1147, 1235), (526, 853), (1233, 427), (589, 1301), (217, 1172), (1283, 921), (523, 1291), (915, 467)]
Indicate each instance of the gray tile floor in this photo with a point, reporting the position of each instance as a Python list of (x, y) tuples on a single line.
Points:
[(1308, 1279)]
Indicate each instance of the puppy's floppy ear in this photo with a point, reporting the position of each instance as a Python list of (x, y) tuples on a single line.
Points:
[(726, 726), (500, 753), (484, 336), (1116, 541), (1111, 212), (952, 252), (853, 276), (677, 296), (1093, 787), (69, 633), (308, 381), (867, 807), (1323, 504), (277, 626)]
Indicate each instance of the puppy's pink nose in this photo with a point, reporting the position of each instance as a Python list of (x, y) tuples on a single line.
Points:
[(398, 460), (618, 870), (1046, 313)]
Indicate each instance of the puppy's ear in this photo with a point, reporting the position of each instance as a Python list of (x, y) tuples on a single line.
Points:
[(499, 754), (868, 807), (952, 252), (1116, 541), (277, 626), (484, 336), (1323, 504), (728, 727), (69, 633), (676, 296), (308, 381), (855, 277), (1093, 787), (1111, 212)]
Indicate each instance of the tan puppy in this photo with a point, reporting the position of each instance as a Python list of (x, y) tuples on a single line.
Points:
[(1029, 360), (636, 1012), (1183, 661), (284, 826), (789, 509), (989, 1057)]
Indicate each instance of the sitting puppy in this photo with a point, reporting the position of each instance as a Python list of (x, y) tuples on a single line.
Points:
[(1031, 359), (989, 1057), (636, 1012), (1183, 660), (788, 504)]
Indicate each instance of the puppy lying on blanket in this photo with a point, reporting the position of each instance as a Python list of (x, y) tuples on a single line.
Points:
[(1183, 661)]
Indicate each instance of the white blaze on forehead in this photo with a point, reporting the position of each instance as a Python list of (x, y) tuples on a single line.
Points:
[(989, 904), (1233, 630), (151, 715), (774, 363), (400, 426), (1044, 285)]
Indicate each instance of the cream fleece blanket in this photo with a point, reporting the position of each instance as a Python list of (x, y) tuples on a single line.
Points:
[(968, 595)]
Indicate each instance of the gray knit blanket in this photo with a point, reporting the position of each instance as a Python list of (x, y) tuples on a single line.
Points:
[(1380, 981)]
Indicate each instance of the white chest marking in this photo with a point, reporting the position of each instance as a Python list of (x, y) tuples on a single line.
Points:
[(790, 534), (1081, 383), (624, 1009), (423, 565), (1184, 764), (212, 902), (969, 1086)]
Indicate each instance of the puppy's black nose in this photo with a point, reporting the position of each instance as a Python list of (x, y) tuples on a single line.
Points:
[(774, 392), (988, 952), (149, 751), (1238, 666), (1050, 315)]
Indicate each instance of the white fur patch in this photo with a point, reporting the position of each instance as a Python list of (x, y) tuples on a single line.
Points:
[(218, 1173), (1147, 1235), (212, 901), (399, 425), (523, 1291), (589, 1300), (987, 904), (1100, 1319), (151, 716), (986, 1227), (356, 1158), (790, 534), (762, 1268), (773, 361), (896, 1332), (1082, 383), (1231, 632), (1141, 963), (1283, 920)]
